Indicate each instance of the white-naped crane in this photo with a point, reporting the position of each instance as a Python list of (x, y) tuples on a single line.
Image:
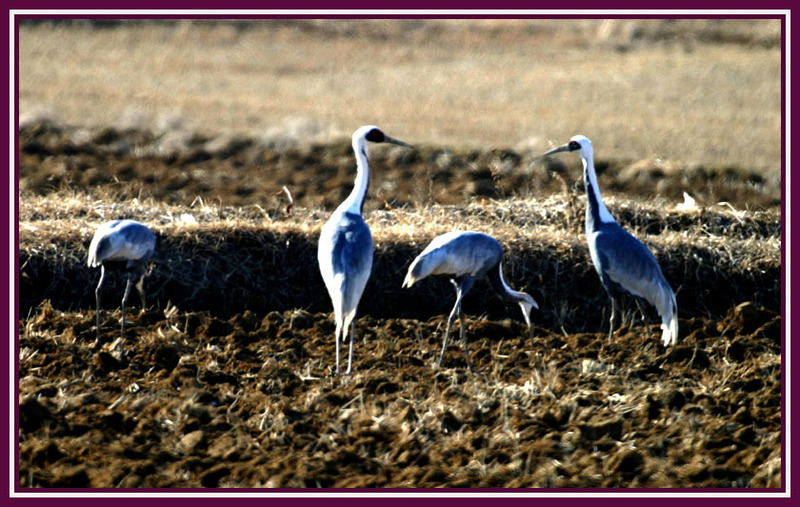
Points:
[(624, 263), (124, 245), (465, 256), (345, 245)]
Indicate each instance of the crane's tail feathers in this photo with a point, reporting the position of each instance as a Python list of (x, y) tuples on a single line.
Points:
[(93, 261), (338, 334), (348, 319), (670, 332), (668, 310), (419, 269)]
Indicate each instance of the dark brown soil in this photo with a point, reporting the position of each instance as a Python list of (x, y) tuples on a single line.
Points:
[(225, 380), (191, 400)]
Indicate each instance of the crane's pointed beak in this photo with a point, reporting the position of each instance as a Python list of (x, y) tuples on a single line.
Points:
[(387, 139), (526, 310), (556, 150)]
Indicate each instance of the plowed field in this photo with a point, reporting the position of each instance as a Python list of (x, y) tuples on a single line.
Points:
[(225, 379)]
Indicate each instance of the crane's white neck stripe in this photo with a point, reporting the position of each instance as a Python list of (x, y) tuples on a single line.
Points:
[(591, 186), (355, 201)]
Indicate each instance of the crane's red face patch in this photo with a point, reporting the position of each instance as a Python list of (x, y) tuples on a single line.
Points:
[(375, 136)]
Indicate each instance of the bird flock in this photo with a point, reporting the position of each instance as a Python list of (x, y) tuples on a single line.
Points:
[(345, 253)]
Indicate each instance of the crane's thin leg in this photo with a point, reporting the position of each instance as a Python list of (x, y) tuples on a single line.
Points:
[(450, 321), (352, 339), (338, 343), (456, 309), (124, 302), (466, 285), (464, 337), (614, 311), (97, 297)]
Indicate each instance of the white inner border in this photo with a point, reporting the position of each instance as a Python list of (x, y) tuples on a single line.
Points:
[(13, 339)]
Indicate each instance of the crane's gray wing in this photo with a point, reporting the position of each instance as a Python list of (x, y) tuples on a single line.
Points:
[(456, 253), (346, 258), (626, 263), (122, 240)]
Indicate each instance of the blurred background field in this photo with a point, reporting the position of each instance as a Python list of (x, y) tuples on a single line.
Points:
[(699, 91)]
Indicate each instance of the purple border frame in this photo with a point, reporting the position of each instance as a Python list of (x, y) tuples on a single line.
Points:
[(165, 495)]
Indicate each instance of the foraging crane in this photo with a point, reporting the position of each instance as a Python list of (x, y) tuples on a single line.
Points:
[(121, 245), (622, 261), (345, 244), (465, 256)]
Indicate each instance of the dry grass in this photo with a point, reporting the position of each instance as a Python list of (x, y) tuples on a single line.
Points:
[(716, 257), (701, 91), (515, 220)]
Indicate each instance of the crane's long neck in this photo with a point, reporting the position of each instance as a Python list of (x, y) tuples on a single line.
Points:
[(596, 211), (526, 302), (355, 201), (498, 282)]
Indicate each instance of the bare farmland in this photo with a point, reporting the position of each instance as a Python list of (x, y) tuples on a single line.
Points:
[(225, 379)]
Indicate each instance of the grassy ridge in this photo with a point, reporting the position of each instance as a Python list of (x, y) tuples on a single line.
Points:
[(268, 263)]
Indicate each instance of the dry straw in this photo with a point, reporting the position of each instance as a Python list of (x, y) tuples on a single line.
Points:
[(226, 259)]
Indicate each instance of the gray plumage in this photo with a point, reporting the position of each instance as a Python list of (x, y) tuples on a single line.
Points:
[(465, 256), (345, 245), (624, 264), (124, 245)]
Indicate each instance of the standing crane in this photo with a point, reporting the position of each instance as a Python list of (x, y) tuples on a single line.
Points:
[(624, 264), (124, 245), (465, 256), (345, 244)]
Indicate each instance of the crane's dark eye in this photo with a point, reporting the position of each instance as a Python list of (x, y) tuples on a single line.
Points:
[(375, 136), (574, 145)]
